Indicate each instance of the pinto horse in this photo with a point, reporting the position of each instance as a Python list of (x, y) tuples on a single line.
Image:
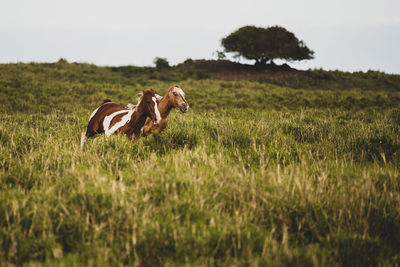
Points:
[(112, 118), (174, 98)]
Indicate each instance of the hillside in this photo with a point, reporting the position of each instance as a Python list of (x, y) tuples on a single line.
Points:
[(47, 86), (275, 168), (286, 76)]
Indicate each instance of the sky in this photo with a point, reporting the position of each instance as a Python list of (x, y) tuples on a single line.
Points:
[(347, 35)]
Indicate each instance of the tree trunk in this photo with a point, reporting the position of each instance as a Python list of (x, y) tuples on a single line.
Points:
[(261, 62)]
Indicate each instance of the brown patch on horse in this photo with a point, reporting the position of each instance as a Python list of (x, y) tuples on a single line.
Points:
[(95, 125), (115, 118)]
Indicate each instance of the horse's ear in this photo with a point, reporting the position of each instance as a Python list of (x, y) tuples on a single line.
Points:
[(149, 91)]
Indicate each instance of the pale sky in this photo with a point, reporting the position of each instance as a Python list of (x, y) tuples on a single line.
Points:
[(348, 35)]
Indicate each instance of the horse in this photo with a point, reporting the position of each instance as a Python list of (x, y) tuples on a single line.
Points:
[(174, 98), (112, 117)]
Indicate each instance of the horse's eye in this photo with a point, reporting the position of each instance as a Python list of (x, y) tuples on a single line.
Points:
[(175, 94)]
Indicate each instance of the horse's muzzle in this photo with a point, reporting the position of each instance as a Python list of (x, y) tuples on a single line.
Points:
[(184, 108)]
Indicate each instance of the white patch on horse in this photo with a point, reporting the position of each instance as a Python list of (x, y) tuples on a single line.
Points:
[(180, 91), (124, 120), (94, 113), (158, 115), (107, 121), (158, 97)]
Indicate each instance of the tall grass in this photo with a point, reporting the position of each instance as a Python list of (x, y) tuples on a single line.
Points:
[(251, 175)]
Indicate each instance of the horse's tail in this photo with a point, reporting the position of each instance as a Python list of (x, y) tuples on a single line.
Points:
[(83, 139), (106, 101)]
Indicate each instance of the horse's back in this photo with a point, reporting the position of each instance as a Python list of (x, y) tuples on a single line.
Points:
[(96, 120)]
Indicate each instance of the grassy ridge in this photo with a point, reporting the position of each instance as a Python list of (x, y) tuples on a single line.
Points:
[(30, 88), (254, 174)]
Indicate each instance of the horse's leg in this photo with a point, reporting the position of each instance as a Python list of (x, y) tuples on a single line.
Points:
[(134, 137), (146, 129), (150, 135)]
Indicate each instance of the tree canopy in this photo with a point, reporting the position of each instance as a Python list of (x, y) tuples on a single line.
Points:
[(266, 44), (161, 63)]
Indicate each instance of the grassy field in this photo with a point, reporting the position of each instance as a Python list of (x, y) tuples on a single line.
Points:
[(254, 174)]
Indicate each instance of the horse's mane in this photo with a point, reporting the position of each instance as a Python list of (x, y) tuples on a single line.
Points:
[(130, 106), (140, 97)]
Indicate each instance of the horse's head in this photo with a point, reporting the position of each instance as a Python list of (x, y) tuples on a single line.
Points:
[(177, 98), (150, 106)]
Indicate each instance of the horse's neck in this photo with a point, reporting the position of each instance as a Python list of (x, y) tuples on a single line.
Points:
[(136, 122), (164, 106)]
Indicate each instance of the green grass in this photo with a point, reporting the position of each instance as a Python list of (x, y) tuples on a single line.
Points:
[(253, 174)]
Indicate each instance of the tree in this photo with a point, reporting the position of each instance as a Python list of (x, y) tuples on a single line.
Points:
[(161, 63), (266, 44), (220, 55)]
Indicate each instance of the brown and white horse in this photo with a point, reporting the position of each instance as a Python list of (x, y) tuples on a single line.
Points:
[(174, 98), (112, 117)]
